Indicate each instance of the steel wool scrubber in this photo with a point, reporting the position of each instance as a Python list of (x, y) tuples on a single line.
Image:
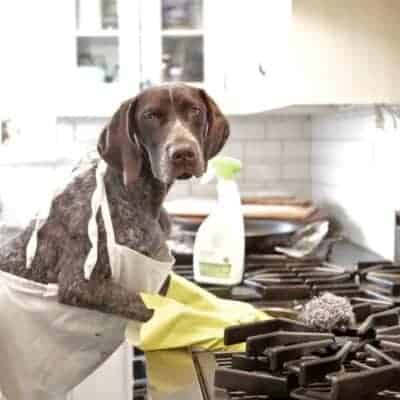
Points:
[(328, 312)]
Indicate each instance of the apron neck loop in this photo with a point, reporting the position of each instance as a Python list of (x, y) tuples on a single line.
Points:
[(99, 201)]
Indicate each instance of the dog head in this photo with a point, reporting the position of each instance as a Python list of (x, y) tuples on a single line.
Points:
[(176, 128)]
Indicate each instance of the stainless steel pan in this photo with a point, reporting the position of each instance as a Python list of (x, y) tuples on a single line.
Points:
[(253, 227)]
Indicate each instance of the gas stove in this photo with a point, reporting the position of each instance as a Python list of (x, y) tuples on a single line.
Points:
[(286, 359), (275, 280)]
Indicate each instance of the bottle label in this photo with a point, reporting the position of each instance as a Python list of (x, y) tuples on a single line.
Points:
[(216, 269)]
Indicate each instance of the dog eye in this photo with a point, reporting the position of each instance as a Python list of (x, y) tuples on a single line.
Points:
[(149, 115), (196, 111)]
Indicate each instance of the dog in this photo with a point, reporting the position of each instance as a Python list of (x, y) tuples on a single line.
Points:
[(166, 133)]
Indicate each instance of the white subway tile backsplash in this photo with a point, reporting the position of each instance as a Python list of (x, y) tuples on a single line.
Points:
[(262, 152), (339, 159), (343, 153), (343, 126), (262, 173), (351, 175), (251, 188), (264, 145), (296, 171), (234, 148), (179, 189), (293, 127), (296, 150), (246, 128), (354, 172), (290, 188), (207, 190)]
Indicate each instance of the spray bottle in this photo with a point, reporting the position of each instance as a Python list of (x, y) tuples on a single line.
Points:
[(218, 254)]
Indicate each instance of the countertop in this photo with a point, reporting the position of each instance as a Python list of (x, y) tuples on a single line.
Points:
[(347, 253), (172, 374)]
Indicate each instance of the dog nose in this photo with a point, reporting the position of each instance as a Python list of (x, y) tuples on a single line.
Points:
[(181, 152)]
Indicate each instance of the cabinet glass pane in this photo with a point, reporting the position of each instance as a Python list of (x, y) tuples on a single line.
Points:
[(96, 15), (98, 59), (182, 14), (182, 59)]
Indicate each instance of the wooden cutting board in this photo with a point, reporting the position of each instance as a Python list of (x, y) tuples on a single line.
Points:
[(199, 208), (277, 212), (276, 200)]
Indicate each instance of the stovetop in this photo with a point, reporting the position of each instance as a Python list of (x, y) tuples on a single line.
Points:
[(278, 281), (287, 359), (282, 361)]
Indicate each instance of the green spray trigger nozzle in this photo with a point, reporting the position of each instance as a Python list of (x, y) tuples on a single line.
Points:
[(222, 167)]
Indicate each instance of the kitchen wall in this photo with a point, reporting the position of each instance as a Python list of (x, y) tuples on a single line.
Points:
[(338, 158), (354, 172), (275, 152)]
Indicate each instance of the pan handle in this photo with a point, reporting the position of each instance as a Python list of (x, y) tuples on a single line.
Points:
[(331, 242)]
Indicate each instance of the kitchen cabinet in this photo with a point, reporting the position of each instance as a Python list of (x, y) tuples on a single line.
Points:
[(182, 41), (101, 60), (150, 42), (345, 52), (257, 37), (209, 44), (250, 56), (315, 52)]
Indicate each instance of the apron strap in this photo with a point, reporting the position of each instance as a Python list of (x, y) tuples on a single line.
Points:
[(99, 200), (41, 218), (33, 241), (113, 249)]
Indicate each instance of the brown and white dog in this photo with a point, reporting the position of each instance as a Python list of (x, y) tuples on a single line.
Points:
[(165, 133), (58, 324)]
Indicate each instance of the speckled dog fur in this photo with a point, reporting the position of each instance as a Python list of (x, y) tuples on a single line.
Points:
[(139, 220), (63, 243)]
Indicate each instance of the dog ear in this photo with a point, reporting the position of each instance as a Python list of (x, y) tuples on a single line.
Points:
[(218, 127), (118, 144)]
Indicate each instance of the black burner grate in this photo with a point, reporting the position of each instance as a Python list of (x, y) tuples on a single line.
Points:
[(290, 360), (282, 362)]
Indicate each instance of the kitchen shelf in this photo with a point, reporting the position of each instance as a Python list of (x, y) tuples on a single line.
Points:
[(106, 33), (182, 32)]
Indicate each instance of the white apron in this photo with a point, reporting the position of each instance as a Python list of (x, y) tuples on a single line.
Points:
[(47, 348)]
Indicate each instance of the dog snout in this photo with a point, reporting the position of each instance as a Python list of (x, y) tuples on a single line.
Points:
[(181, 153)]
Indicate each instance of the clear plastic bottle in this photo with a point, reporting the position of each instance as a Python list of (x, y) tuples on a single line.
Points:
[(219, 247)]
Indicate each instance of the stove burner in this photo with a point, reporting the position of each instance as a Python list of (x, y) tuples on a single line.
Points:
[(301, 280), (383, 279), (287, 359), (240, 333), (282, 360)]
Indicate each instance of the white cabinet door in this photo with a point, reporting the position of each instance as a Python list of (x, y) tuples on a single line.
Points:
[(181, 40), (100, 63), (257, 48), (113, 380), (129, 47), (346, 52)]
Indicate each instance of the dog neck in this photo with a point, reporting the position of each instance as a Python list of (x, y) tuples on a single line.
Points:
[(136, 210), (147, 193)]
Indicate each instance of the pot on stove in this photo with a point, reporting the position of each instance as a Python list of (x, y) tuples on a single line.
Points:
[(261, 236), (266, 225)]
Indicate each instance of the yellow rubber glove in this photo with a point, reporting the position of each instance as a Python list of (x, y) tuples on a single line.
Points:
[(189, 316)]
